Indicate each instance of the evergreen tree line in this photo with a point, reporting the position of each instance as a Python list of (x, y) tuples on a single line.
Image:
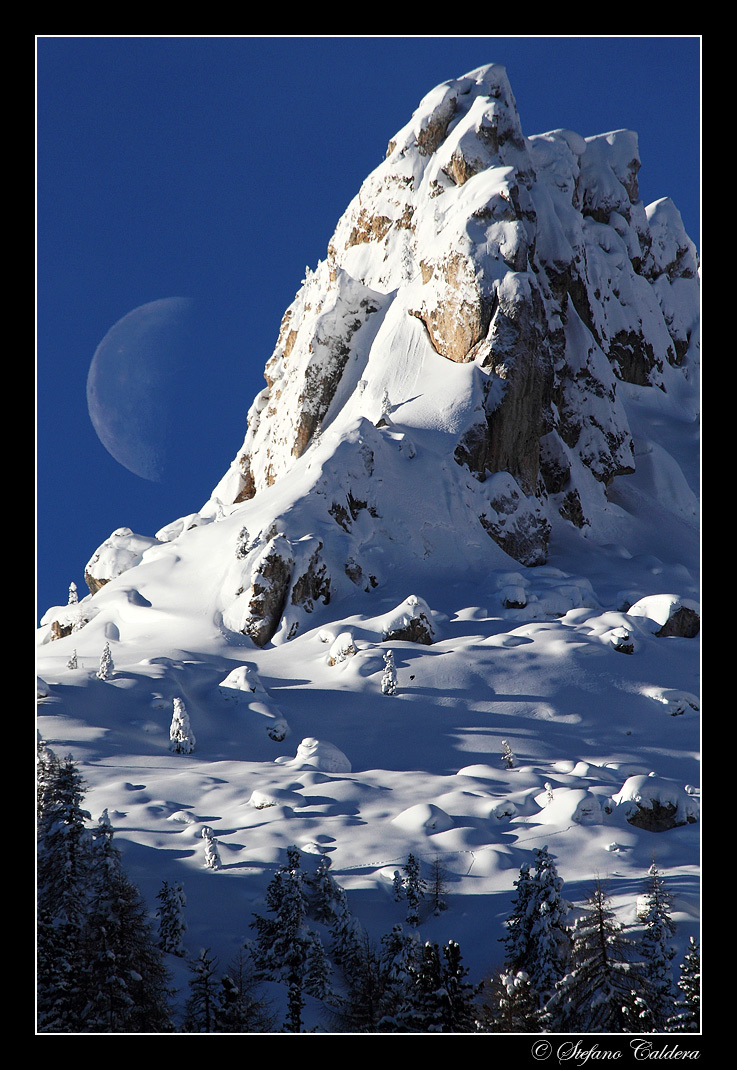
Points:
[(591, 976), (101, 966), (99, 969)]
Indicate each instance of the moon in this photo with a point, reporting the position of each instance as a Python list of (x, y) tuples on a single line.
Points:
[(133, 382)]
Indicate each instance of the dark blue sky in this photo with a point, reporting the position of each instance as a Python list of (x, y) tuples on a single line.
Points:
[(216, 169)]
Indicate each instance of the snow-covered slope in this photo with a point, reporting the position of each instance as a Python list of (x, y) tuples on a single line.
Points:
[(477, 447)]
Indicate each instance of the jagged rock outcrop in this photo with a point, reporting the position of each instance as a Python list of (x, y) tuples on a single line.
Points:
[(482, 300)]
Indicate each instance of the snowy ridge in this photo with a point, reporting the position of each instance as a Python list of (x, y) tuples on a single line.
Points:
[(477, 448)]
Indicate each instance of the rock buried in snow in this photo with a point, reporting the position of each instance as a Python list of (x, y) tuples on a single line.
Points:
[(342, 649), (656, 804), (265, 797), (675, 616), (118, 553), (319, 754), (240, 679), (410, 622)]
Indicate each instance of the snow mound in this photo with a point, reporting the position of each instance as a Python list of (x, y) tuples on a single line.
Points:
[(319, 754), (675, 701), (262, 798), (569, 805), (342, 648), (424, 817), (241, 679)]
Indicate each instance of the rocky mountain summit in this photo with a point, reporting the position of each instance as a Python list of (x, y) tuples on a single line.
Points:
[(482, 298), (449, 379)]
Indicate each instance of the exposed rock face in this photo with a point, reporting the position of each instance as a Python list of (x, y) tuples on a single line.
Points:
[(490, 287), (269, 587)]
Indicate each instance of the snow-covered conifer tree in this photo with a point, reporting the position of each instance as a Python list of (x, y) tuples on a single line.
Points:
[(106, 664), (181, 737), (598, 993), (73, 597), (172, 924), (243, 544), (72, 662), (389, 677), (62, 883), (125, 979), (284, 944), (518, 923), (657, 952), (414, 889), (507, 755), (317, 968), (212, 854), (438, 999), (202, 1006), (241, 1007), (687, 1010), (538, 937), (509, 1005)]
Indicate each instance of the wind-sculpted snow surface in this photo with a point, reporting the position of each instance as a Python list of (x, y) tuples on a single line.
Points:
[(477, 448)]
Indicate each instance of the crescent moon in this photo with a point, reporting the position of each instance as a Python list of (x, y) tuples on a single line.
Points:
[(130, 385)]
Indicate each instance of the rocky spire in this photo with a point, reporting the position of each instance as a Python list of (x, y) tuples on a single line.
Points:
[(449, 378)]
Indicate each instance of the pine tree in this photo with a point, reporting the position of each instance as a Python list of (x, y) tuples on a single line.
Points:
[(507, 755), (549, 944), (72, 662), (203, 1004), (62, 881), (243, 544), (597, 994), (62, 840), (510, 1005), (687, 1011), (73, 597), (458, 999), (389, 677), (368, 992), (346, 932), (181, 737), (438, 998), (519, 922), (437, 888), (172, 925), (323, 893), (538, 939), (317, 968), (414, 889), (125, 979), (47, 767), (212, 854), (285, 949), (657, 952), (106, 669), (98, 968), (240, 1006)]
